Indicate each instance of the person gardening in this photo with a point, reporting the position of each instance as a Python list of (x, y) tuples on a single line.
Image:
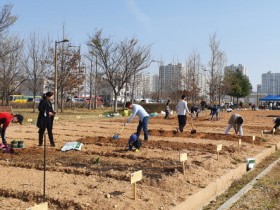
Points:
[(236, 122), (5, 119), (134, 142), (214, 112), (167, 110), (143, 119), (182, 110), (276, 122)]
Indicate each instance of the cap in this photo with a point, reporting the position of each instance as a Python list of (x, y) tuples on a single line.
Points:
[(132, 138), (19, 118), (274, 119)]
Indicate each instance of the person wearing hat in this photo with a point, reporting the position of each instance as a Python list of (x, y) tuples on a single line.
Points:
[(143, 119), (134, 142), (5, 119), (45, 118), (236, 122)]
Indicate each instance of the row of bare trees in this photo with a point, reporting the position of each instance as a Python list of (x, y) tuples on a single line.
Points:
[(117, 62)]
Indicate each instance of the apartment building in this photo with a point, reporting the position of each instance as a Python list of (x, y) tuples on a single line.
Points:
[(234, 68), (171, 78), (270, 83)]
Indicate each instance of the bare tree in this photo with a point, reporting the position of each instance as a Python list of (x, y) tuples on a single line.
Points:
[(193, 69), (216, 65), (11, 73), (6, 18), (36, 62), (70, 73), (119, 61)]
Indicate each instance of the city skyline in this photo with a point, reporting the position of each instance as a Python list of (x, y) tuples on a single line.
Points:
[(246, 29)]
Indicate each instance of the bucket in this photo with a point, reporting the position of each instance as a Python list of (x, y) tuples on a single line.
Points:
[(20, 144), (125, 113), (250, 163)]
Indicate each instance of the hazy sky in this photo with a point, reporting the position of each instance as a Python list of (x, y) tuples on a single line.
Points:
[(248, 30)]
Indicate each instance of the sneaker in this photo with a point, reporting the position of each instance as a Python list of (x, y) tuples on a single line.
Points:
[(39, 145), (52, 145)]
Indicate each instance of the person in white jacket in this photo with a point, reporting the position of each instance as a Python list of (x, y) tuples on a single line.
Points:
[(143, 119), (182, 110)]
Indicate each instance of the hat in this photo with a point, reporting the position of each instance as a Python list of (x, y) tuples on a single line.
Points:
[(19, 118), (274, 119), (132, 138)]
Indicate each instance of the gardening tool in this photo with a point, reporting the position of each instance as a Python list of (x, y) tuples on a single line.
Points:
[(193, 131), (117, 136)]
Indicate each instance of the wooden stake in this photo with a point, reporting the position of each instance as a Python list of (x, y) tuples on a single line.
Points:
[(253, 138), (239, 144), (135, 177), (134, 190), (182, 158), (219, 148), (262, 133), (273, 131)]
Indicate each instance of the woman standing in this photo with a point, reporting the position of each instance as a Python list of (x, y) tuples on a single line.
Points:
[(45, 118)]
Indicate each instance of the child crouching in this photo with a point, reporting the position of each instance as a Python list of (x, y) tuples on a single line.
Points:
[(134, 143)]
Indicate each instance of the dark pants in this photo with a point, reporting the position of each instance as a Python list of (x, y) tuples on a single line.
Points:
[(3, 136), (182, 120), (166, 114), (143, 125), (41, 135)]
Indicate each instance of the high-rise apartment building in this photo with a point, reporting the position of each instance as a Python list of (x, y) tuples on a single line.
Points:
[(271, 83), (234, 68), (171, 78)]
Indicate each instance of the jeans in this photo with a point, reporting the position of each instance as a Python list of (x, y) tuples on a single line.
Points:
[(240, 131), (143, 125), (182, 120)]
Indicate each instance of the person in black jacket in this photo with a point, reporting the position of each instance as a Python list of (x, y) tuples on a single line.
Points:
[(45, 118)]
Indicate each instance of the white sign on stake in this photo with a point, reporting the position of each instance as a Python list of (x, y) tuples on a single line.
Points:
[(135, 177), (219, 147), (183, 157)]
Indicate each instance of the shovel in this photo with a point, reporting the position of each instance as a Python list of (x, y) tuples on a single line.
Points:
[(117, 136), (193, 131)]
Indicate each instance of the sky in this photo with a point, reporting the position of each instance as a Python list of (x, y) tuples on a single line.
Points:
[(248, 30)]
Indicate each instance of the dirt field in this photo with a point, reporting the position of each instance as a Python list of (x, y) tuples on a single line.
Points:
[(98, 176)]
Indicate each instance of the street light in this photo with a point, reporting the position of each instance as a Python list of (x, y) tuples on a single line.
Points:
[(55, 73)]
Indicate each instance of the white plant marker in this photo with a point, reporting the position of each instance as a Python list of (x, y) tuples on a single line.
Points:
[(219, 148), (182, 158), (135, 177)]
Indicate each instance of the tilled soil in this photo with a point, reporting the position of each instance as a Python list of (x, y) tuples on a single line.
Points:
[(98, 176)]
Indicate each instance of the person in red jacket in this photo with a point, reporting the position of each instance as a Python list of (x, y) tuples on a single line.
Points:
[(5, 119)]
